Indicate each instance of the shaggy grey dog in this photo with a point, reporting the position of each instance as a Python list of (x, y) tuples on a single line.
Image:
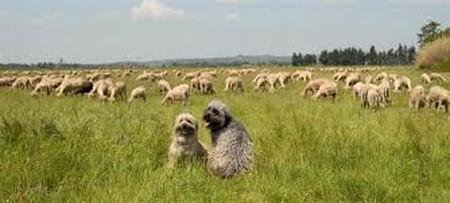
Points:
[(232, 147)]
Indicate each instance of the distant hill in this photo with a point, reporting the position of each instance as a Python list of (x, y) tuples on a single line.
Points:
[(222, 61)]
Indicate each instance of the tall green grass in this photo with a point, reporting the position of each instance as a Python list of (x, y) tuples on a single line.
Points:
[(75, 149)]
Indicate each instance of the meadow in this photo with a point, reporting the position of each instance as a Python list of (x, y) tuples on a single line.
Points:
[(76, 149)]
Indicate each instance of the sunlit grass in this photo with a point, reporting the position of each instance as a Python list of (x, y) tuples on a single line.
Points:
[(77, 149)]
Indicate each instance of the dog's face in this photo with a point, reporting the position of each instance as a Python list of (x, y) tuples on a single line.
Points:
[(216, 115), (185, 124)]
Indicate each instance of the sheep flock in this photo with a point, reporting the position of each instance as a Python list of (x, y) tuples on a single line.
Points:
[(371, 87)]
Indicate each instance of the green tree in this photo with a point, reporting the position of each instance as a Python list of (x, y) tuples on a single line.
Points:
[(294, 59), (323, 58), (411, 54), (429, 32)]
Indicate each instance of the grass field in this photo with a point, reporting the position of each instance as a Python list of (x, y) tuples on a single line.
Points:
[(75, 149)]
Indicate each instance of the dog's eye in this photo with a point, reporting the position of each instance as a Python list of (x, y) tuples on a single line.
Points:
[(215, 111)]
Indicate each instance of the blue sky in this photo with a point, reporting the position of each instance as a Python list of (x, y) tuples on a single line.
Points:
[(96, 31)]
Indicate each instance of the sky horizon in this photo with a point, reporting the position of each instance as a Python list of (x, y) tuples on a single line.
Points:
[(104, 31)]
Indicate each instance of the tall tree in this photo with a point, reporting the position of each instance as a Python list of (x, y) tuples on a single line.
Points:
[(429, 32), (300, 59), (294, 59), (372, 56), (411, 54), (323, 58)]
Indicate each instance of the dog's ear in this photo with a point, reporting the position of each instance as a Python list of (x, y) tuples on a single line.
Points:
[(228, 118)]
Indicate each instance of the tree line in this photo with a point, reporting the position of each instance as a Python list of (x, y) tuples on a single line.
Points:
[(402, 55)]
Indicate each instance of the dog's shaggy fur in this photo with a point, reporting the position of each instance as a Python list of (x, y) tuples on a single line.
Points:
[(232, 147), (185, 145)]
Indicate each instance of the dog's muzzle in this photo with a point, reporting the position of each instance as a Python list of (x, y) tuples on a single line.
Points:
[(185, 128)]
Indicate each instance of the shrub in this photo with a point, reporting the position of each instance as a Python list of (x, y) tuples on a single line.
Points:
[(435, 55)]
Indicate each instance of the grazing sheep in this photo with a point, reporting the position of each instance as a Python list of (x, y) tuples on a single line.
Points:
[(340, 76), (233, 83), (163, 86), (146, 76), (233, 73), (261, 82), (363, 94), (102, 88), (261, 76), (195, 83), (34, 80), (272, 80), (7, 81), (417, 98), (192, 75), (118, 92), (313, 86), (74, 86), (137, 93), (374, 98), (22, 82), (47, 85), (402, 82), (425, 78), (357, 89), (328, 89), (283, 78), (232, 147), (304, 76), (368, 79), (437, 77), (352, 79), (381, 76), (206, 86), (385, 90), (438, 97), (160, 76), (185, 145), (98, 76), (178, 93)]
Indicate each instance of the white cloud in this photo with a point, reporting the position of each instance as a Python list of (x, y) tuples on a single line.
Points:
[(232, 17), (38, 21), (429, 2), (157, 10), (233, 1)]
